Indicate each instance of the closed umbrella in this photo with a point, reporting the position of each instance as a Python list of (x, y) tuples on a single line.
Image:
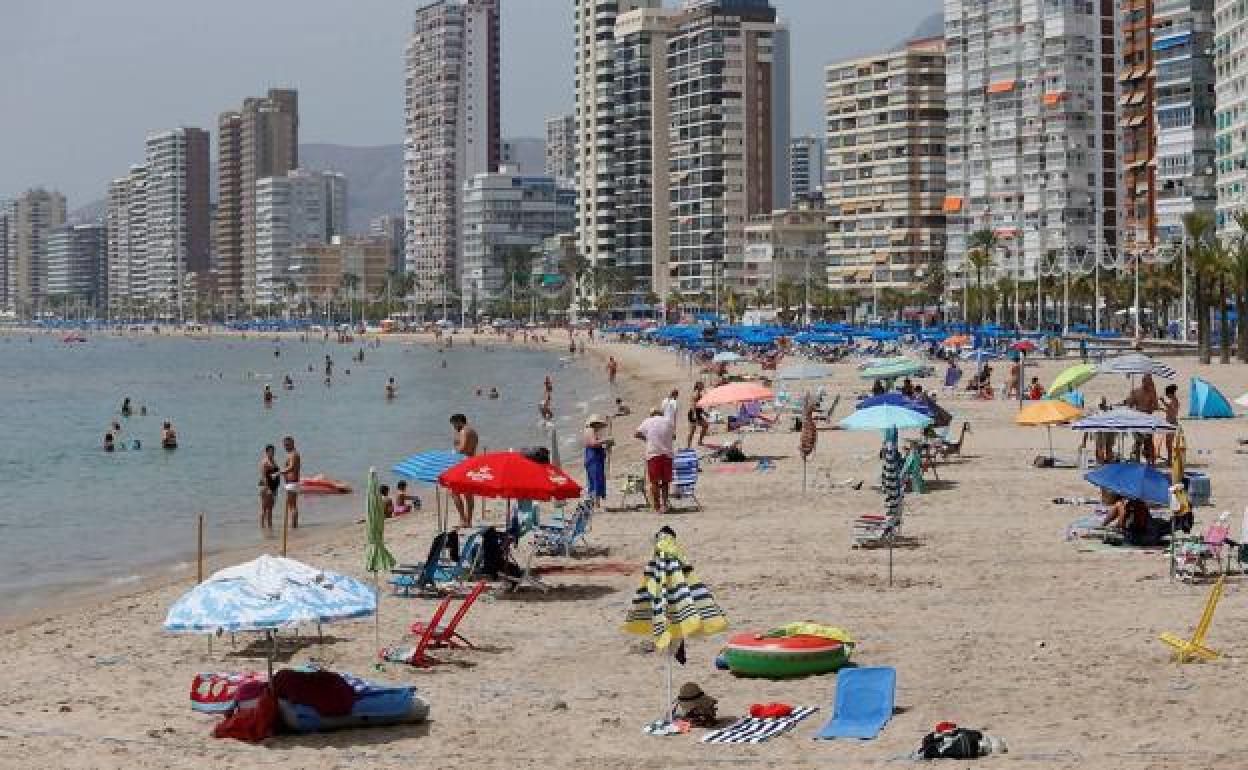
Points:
[(1047, 413), (671, 605), (891, 487), (885, 417), (1136, 481), (1071, 378), (809, 435), (377, 558)]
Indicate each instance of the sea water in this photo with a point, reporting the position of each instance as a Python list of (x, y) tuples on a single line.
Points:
[(74, 516)]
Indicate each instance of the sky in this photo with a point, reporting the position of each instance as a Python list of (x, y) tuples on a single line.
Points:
[(86, 80)]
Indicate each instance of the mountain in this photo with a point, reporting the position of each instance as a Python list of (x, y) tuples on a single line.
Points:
[(932, 26), (374, 178)]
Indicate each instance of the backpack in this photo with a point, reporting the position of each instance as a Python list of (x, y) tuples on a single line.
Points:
[(958, 744)]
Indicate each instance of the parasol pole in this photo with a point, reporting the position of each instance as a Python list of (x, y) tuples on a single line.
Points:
[(285, 529), (667, 705), (199, 552), (803, 474)]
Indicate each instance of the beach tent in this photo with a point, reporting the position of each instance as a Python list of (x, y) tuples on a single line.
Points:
[(1206, 401)]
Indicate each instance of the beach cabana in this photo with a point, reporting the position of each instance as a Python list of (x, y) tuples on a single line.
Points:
[(1206, 402)]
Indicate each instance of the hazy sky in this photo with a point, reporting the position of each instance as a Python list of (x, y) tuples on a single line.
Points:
[(85, 80)]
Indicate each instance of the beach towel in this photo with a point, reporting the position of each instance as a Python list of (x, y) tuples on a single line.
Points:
[(864, 703), (221, 693), (755, 730)]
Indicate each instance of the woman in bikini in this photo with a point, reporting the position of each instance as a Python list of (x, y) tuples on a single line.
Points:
[(270, 480)]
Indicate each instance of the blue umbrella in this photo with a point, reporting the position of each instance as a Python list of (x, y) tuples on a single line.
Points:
[(803, 372), (896, 399), (427, 466), (1138, 481), (885, 417)]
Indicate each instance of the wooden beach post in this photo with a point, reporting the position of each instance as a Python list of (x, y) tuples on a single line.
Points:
[(285, 529), (199, 553)]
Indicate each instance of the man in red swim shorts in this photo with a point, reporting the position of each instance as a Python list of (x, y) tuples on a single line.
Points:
[(657, 431)]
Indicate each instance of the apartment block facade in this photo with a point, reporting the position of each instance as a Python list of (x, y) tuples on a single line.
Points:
[(126, 222), (1033, 134), (885, 177), (787, 246), (1137, 109), (1184, 114), (452, 104), (728, 106), (31, 219), (78, 264), (561, 149), (318, 268), (1231, 126), (260, 140), (806, 167), (299, 207), (178, 228)]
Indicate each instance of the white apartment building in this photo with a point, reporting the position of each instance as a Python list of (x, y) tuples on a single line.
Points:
[(728, 105), (1184, 115), (452, 131), (561, 149), (1032, 149), (177, 212), (1231, 87), (126, 220), (806, 154), (77, 263), (300, 207), (594, 73)]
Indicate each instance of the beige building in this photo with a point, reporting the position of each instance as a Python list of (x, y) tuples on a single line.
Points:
[(561, 149), (317, 269), (786, 246), (258, 141), (30, 220), (885, 178)]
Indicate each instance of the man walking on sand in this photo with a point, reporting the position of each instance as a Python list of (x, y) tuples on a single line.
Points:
[(465, 444), (657, 431), (290, 473)]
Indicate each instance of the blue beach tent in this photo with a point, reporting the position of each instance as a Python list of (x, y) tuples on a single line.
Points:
[(1206, 401)]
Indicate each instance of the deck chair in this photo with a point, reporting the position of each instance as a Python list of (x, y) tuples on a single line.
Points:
[(1190, 557), (864, 703), (414, 655), (559, 537), (447, 635), (685, 476), (435, 569), (912, 472), (873, 530), (952, 378), (1190, 649), (634, 487)]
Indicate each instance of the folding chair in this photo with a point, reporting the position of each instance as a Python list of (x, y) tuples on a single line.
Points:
[(685, 476), (447, 635), (415, 655)]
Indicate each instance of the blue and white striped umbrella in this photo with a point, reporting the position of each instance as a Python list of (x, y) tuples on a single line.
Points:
[(1122, 420), (427, 466), (1137, 363), (269, 593)]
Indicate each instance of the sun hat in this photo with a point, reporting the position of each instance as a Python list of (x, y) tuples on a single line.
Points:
[(594, 419)]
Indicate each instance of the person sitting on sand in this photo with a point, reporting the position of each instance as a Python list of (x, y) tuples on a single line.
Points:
[(493, 393), (168, 436), (1129, 516), (1035, 391), (387, 505), (622, 409), (877, 389), (403, 502)]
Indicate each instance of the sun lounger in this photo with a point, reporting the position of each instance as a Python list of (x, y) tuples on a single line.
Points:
[(864, 703)]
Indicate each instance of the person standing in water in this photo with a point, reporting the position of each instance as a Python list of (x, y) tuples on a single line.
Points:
[(466, 444), (294, 464), (270, 480), (125, 407), (168, 436), (268, 396), (392, 388)]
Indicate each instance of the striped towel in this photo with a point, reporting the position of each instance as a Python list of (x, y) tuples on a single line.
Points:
[(755, 730)]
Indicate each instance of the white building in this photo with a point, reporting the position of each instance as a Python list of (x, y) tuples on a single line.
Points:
[(301, 207), (561, 149), (77, 263), (806, 167), (1182, 39), (126, 220), (1231, 86), (177, 212), (452, 131)]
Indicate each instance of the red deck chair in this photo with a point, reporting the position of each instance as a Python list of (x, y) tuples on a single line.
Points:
[(415, 656), (447, 636)]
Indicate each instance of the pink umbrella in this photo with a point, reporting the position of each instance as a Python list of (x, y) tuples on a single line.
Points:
[(735, 393)]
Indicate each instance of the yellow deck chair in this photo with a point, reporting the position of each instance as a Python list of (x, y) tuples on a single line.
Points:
[(1190, 649)]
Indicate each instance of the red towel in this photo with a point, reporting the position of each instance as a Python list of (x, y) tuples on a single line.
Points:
[(324, 691)]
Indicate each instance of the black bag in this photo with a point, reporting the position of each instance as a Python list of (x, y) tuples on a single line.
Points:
[(733, 454), (538, 454), (958, 744), (492, 552)]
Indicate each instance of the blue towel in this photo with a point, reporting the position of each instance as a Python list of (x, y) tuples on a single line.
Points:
[(864, 703)]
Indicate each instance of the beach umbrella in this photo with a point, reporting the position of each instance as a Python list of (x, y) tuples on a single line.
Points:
[(727, 357), (891, 487), (1024, 346), (426, 467), (509, 475), (979, 356), (669, 606), (893, 370), (377, 558), (1122, 420), (1137, 363), (885, 417), (896, 399), (1137, 481), (804, 371), (1071, 378), (956, 341), (1047, 413), (267, 594), (735, 393), (809, 435)]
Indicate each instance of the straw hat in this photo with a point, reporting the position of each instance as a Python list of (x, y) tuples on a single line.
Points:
[(594, 419)]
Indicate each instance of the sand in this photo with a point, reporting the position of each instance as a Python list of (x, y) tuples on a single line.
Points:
[(994, 621)]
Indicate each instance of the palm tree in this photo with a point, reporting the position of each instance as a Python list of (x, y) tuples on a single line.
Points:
[(1005, 290), (674, 300), (1198, 228), (934, 283), (982, 244)]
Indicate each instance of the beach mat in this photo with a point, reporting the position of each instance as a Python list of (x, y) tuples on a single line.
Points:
[(757, 730), (864, 703)]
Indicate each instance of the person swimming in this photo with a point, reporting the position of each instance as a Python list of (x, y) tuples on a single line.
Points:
[(268, 395), (391, 388), (168, 436), (493, 392), (108, 442), (125, 407), (288, 383)]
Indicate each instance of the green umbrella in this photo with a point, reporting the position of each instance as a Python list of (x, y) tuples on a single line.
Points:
[(377, 557), (893, 370), (1072, 378)]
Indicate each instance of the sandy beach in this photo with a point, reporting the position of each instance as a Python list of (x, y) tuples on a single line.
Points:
[(994, 621)]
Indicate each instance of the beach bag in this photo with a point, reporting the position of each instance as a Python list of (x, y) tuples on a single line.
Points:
[(733, 454), (959, 743), (538, 454), (493, 557)]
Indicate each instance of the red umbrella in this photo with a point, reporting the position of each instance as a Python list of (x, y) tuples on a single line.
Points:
[(509, 475), (1026, 346)]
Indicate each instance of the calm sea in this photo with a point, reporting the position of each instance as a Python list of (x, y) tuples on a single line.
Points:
[(72, 515)]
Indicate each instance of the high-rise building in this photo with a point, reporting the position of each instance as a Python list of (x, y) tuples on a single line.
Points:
[(452, 131), (640, 177), (1137, 110), (507, 216), (1231, 85), (390, 227), (728, 106), (787, 246), (526, 155), (78, 264), (561, 149), (806, 163), (317, 268), (1184, 113), (260, 140), (593, 24), (178, 237), (31, 218), (126, 220), (1032, 149), (4, 255), (885, 177), (298, 207)]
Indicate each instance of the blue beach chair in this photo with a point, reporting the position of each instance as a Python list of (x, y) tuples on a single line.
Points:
[(864, 703), (685, 476)]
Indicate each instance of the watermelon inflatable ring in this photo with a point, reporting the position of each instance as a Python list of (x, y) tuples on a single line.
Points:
[(783, 654)]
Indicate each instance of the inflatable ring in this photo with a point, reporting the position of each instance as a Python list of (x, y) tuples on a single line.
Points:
[(783, 657)]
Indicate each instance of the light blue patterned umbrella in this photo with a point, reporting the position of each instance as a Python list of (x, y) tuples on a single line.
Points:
[(885, 417), (427, 466), (267, 594)]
